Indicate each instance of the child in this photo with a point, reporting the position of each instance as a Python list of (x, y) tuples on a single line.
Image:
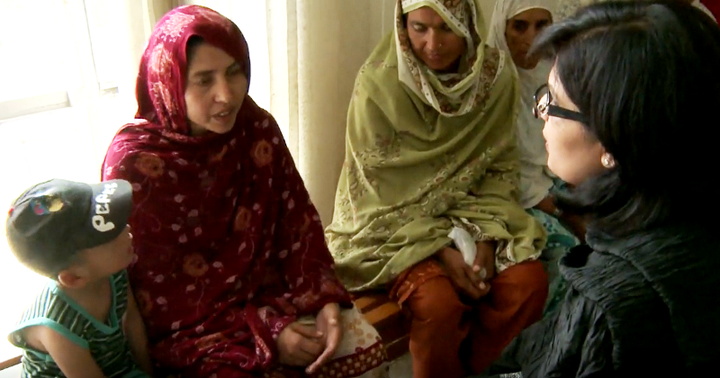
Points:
[(85, 322)]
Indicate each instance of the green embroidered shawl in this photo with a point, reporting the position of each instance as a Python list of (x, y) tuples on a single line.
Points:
[(411, 174)]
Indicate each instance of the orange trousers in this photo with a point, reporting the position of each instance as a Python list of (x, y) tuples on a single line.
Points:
[(451, 338)]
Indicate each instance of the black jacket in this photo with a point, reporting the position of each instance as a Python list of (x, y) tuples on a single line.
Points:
[(641, 305)]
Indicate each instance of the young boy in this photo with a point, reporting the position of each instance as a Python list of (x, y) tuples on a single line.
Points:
[(85, 323)]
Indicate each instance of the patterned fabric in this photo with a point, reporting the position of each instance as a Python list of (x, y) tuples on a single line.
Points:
[(449, 331), (385, 315), (451, 94), (409, 171), (360, 354), (560, 242), (106, 341), (161, 81), (230, 248)]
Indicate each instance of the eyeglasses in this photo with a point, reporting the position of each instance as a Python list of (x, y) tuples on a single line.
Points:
[(542, 108)]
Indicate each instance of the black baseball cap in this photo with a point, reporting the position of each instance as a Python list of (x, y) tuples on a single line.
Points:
[(53, 220)]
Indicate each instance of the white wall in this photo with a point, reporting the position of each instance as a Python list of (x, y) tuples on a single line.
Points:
[(13, 372)]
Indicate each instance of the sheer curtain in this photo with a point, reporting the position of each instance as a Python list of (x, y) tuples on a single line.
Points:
[(136, 19)]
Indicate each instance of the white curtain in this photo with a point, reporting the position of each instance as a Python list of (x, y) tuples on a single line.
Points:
[(135, 19), (127, 27)]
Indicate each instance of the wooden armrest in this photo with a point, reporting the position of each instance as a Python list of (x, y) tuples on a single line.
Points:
[(10, 363), (387, 318)]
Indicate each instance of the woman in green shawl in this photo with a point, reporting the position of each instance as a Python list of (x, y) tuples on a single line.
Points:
[(430, 147)]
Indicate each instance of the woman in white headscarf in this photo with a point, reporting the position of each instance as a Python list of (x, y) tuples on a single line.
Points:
[(514, 25)]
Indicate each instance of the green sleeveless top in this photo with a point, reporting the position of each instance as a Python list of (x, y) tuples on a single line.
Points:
[(106, 341)]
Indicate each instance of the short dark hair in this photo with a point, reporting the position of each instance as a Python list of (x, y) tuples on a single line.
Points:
[(646, 75)]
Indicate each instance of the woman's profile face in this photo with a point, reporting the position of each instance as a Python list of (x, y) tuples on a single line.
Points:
[(215, 90), (432, 40), (574, 154), (520, 32)]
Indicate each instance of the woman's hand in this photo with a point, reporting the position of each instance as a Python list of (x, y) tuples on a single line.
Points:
[(462, 275), (547, 206), (328, 325), (299, 344), (576, 223), (485, 261)]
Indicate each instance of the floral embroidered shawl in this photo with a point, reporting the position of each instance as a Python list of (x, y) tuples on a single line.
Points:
[(411, 173), (230, 248), (450, 93)]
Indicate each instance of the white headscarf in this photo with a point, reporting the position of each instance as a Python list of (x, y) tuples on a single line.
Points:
[(535, 181)]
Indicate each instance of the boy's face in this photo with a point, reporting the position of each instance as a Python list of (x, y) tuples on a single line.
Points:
[(109, 258)]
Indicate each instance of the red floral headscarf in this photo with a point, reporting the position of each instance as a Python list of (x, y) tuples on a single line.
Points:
[(163, 69)]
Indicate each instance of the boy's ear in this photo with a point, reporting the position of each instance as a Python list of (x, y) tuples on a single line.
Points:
[(71, 279)]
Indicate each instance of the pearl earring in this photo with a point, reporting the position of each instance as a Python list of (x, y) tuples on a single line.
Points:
[(607, 160)]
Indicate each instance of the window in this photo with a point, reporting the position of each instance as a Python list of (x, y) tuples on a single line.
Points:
[(59, 109), (36, 71)]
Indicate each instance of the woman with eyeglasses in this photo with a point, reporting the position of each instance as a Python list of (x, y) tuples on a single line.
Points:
[(630, 113), (514, 26)]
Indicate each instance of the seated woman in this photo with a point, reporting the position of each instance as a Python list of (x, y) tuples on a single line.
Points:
[(643, 291), (233, 277), (430, 146), (514, 26)]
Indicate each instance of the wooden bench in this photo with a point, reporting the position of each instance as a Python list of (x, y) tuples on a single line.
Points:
[(388, 319), (10, 363)]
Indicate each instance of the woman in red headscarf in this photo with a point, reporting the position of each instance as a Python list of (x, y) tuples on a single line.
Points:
[(233, 276)]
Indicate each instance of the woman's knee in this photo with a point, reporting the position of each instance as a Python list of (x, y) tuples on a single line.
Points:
[(529, 276), (437, 301)]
